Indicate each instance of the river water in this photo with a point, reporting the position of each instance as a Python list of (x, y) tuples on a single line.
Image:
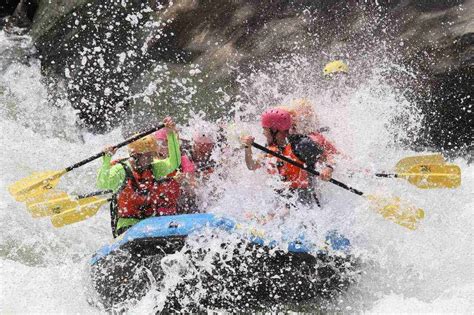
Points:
[(44, 269)]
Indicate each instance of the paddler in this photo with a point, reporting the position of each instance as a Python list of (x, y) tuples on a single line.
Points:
[(276, 124), (140, 184), (203, 145), (306, 123), (202, 164), (184, 176)]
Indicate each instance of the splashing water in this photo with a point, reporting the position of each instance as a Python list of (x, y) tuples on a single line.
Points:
[(427, 270)]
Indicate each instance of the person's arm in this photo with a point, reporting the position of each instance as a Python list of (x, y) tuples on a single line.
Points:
[(187, 165), (110, 177), (249, 161), (161, 168), (329, 148), (327, 158)]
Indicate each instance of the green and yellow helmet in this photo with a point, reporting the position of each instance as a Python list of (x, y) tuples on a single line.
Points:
[(336, 66)]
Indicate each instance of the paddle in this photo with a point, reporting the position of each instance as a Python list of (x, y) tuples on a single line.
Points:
[(405, 164), (426, 176), (65, 209), (426, 171), (59, 202), (38, 183), (81, 210), (390, 208)]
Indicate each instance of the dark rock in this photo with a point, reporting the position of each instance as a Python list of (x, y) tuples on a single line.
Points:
[(21, 17), (7, 7), (82, 44)]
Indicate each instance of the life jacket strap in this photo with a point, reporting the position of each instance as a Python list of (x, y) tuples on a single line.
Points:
[(114, 215)]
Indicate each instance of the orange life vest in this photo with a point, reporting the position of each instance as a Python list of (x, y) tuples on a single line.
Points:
[(297, 177), (144, 196)]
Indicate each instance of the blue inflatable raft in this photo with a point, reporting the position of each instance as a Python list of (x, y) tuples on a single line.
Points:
[(259, 273)]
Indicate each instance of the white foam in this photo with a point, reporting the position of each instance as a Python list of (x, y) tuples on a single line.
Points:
[(427, 270)]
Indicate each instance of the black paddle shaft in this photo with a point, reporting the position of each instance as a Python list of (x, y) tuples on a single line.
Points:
[(386, 175), (121, 144), (95, 193), (307, 169)]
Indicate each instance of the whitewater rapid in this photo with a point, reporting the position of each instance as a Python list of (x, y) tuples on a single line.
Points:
[(44, 269)]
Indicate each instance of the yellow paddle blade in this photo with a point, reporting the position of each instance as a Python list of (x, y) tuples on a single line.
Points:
[(40, 196), (405, 164), (434, 176), (395, 210), (50, 203), (35, 184), (82, 209)]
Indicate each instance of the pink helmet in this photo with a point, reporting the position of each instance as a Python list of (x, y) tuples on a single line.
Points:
[(276, 118), (161, 134), (202, 137)]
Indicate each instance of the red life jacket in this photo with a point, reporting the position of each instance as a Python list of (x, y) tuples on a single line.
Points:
[(144, 196), (297, 177)]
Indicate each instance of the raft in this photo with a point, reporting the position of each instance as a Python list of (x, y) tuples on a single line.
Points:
[(248, 273)]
